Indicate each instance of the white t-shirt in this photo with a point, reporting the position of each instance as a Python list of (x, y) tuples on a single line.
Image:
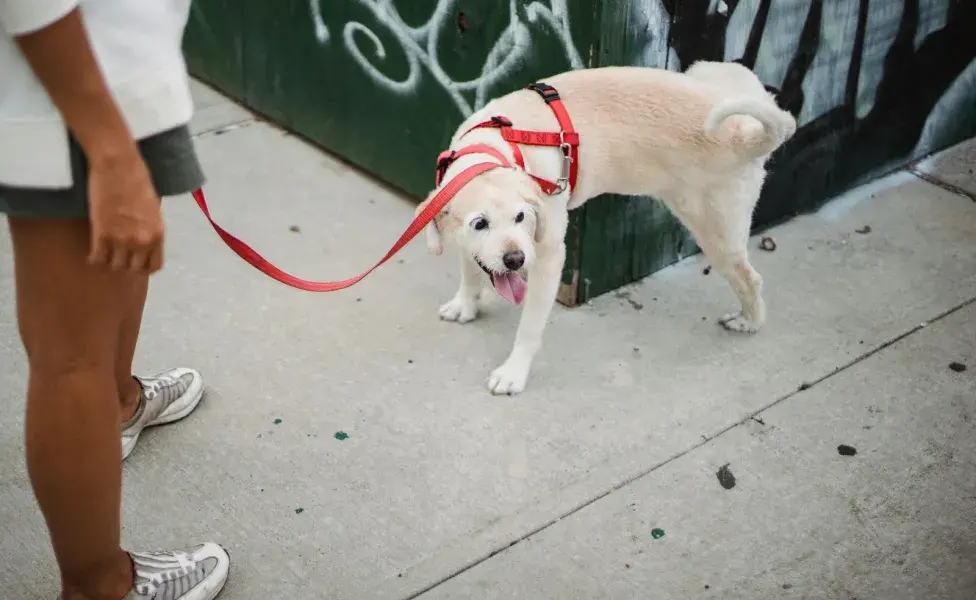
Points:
[(138, 45)]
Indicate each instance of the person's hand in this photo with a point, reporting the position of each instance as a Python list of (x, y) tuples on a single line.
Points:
[(125, 214)]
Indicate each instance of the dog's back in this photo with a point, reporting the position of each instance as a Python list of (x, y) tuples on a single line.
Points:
[(642, 126), (735, 79)]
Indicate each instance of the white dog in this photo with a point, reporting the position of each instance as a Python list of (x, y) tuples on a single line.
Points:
[(698, 141)]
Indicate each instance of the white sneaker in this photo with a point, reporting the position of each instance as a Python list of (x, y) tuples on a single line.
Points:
[(165, 398), (197, 573)]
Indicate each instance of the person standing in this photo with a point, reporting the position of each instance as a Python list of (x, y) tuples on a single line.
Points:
[(94, 107)]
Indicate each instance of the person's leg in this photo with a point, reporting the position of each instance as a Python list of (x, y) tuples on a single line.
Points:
[(173, 394), (69, 316), (71, 319), (79, 327), (128, 387), (148, 401)]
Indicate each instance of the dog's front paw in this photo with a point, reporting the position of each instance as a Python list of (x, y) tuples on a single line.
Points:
[(738, 322), (509, 378), (459, 310)]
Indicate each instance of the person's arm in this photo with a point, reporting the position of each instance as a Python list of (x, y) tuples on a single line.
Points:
[(61, 57), (124, 213)]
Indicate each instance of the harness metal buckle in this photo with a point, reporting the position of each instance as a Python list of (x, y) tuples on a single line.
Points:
[(563, 182)]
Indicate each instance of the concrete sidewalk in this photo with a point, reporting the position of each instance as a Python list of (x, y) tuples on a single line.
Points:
[(636, 402)]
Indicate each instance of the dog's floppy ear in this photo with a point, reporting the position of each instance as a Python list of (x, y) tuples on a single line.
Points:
[(435, 243), (540, 216)]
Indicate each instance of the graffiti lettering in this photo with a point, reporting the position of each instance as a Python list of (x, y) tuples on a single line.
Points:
[(419, 46)]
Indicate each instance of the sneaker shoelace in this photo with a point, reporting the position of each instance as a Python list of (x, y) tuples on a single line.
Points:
[(173, 572), (152, 388)]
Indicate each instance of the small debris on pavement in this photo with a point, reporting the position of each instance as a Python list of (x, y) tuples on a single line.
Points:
[(410, 361), (295, 229), (657, 533), (626, 566), (787, 586), (958, 367), (845, 450), (804, 386), (633, 303), (865, 229), (277, 421), (767, 243), (707, 270), (299, 511), (725, 477), (341, 435), (707, 586)]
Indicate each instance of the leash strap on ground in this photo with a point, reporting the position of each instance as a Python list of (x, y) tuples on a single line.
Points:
[(436, 204)]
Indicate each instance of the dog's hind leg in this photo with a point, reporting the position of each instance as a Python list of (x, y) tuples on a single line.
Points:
[(720, 225), (511, 376), (746, 282), (463, 307)]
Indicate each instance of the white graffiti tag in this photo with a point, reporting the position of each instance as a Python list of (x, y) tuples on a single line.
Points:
[(419, 46)]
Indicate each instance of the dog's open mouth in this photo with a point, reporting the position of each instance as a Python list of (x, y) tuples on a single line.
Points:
[(509, 284)]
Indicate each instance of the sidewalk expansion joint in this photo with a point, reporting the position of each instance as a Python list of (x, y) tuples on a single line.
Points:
[(224, 128), (942, 184)]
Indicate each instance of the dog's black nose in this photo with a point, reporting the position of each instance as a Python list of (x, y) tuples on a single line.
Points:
[(514, 260)]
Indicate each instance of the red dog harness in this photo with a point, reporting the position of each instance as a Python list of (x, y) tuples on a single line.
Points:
[(567, 140)]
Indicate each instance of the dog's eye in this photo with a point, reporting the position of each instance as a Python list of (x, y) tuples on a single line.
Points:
[(520, 217), (480, 223)]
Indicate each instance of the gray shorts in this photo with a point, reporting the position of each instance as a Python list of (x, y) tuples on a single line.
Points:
[(172, 163)]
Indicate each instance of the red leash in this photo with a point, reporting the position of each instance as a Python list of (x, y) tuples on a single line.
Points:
[(437, 203), (567, 140)]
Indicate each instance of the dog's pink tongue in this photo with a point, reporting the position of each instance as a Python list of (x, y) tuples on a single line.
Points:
[(509, 286)]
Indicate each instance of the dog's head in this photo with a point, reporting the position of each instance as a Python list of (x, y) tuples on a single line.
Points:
[(496, 220)]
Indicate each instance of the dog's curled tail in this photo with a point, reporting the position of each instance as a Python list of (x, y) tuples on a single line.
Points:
[(778, 125)]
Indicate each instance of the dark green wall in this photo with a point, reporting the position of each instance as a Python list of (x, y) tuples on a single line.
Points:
[(385, 84)]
